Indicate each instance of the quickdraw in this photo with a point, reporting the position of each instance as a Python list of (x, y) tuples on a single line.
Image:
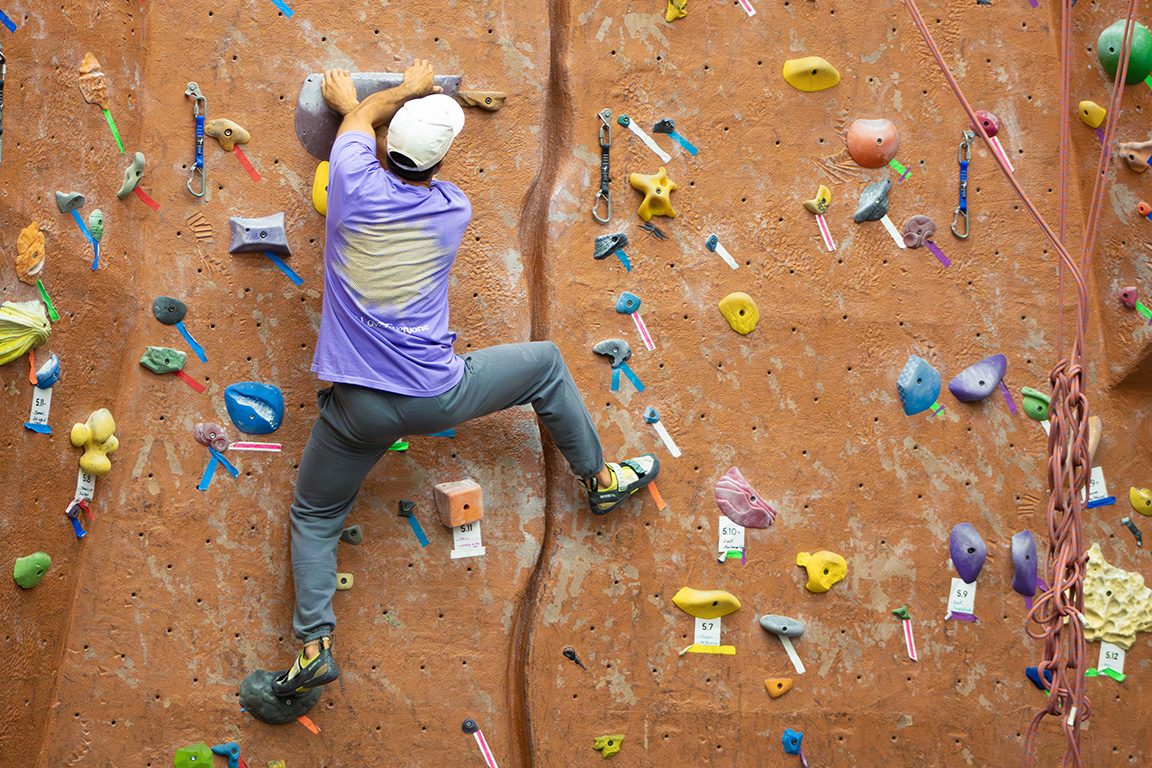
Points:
[(605, 192), (964, 155), (199, 107)]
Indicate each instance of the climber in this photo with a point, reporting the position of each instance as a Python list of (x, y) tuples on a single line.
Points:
[(392, 235)]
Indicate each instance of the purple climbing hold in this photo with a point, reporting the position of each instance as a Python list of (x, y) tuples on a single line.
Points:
[(1024, 563), (968, 551), (978, 381)]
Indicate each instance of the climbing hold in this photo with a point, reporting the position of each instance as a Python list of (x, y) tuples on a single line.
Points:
[(1128, 296), (651, 415), (873, 204), (459, 502), (96, 224), (978, 381), (1144, 208), (1117, 605), (163, 359), (628, 303), (1024, 566), (1111, 41), (791, 741), (1033, 674), (608, 745), (211, 434), (48, 372), (406, 508), (69, 201), (353, 535), (255, 409), (902, 613), (29, 570), (231, 750), (93, 87), (782, 626), (988, 121), (343, 581), (320, 189), (606, 245), (873, 143), (132, 175), (257, 698), (739, 309), (656, 188), (1095, 432), (740, 503), (677, 9), (227, 133), (918, 385), (617, 350), (706, 603), (1035, 404), (968, 551), (97, 437), (23, 326), (29, 253), (1092, 114), (820, 203), (169, 310), (1141, 500), (489, 101), (918, 230), (259, 235), (778, 686), (824, 569), (810, 73), (195, 756)]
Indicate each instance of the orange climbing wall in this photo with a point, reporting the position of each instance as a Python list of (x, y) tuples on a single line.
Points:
[(137, 640)]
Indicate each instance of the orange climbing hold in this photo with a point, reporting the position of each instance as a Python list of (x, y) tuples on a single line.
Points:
[(778, 686)]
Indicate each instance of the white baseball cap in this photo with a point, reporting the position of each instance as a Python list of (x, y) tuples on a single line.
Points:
[(423, 129)]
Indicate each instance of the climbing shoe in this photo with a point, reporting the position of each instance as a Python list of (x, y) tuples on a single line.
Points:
[(308, 673), (628, 477)]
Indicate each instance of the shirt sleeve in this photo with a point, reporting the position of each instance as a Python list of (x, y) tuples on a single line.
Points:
[(353, 157)]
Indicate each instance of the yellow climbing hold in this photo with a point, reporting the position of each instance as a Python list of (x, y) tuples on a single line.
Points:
[(677, 9), (1141, 500), (820, 203), (740, 311), (656, 188), (706, 603), (607, 745), (1092, 114), (23, 325), (811, 73), (824, 569), (320, 189), (97, 438)]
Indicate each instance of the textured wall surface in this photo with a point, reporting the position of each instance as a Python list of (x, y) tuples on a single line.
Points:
[(138, 638)]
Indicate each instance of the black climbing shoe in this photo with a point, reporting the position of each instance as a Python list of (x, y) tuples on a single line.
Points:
[(629, 476), (309, 673)]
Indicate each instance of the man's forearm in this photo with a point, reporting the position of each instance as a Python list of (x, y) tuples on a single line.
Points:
[(379, 108)]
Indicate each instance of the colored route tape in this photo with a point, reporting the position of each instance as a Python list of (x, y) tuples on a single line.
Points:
[(227, 464), (244, 162), (899, 168), (115, 133), (199, 350), (684, 143), (43, 429), (1008, 397), (938, 253), (747, 6), (724, 650), (206, 479), (7, 22), (416, 529), (83, 227), (44, 295), (1104, 502), (445, 433), (288, 13), (189, 381), (615, 379), (272, 447), (632, 377), (284, 268), (95, 256), (656, 497), (624, 259), (304, 719), (147, 200)]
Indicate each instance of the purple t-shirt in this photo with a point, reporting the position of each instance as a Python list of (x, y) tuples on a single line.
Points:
[(387, 253)]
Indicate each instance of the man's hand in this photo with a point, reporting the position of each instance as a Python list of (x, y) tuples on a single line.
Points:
[(418, 79), (338, 91)]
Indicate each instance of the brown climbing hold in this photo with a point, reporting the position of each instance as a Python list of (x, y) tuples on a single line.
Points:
[(92, 84), (656, 188), (778, 686), (227, 133), (739, 309), (29, 253), (1136, 153), (873, 143), (677, 9), (459, 502), (487, 100)]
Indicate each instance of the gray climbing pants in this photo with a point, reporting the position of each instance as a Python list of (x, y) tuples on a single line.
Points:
[(357, 425)]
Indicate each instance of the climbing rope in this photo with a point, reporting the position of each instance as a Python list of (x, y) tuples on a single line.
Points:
[(1059, 612)]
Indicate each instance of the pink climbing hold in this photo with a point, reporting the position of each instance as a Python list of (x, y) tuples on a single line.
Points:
[(1128, 296), (740, 503)]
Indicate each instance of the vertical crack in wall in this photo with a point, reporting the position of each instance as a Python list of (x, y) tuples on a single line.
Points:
[(555, 130)]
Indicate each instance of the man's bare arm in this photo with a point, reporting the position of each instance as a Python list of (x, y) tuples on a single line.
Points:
[(379, 108)]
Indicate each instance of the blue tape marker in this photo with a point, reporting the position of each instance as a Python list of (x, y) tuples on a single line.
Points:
[(632, 377), (96, 257), (445, 433), (209, 470), (199, 350), (83, 227), (227, 464), (284, 268), (43, 429), (624, 259), (283, 7), (615, 379), (7, 22), (1104, 502), (684, 143), (416, 529)]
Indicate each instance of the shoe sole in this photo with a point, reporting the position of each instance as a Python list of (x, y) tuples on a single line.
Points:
[(644, 481), (326, 673)]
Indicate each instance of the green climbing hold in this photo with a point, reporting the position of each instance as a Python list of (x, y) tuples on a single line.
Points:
[(1110, 44), (195, 756), (902, 613), (1035, 404), (29, 570), (96, 224), (163, 359)]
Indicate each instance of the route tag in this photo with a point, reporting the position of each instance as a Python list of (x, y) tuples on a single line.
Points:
[(466, 541)]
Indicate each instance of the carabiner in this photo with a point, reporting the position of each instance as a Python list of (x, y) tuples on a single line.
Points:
[(199, 107), (605, 192), (964, 156)]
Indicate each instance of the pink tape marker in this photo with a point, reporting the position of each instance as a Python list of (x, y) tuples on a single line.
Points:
[(470, 726), (999, 150), (629, 304), (747, 6), (825, 232), (272, 447)]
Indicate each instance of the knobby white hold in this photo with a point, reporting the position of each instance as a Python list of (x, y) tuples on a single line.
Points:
[(652, 145)]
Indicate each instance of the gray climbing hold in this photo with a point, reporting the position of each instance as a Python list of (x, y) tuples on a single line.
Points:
[(873, 202), (651, 415), (664, 125), (617, 349), (352, 535), (69, 201), (782, 626), (606, 245), (257, 698), (258, 235), (132, 175), (169, 310), (407, 508)]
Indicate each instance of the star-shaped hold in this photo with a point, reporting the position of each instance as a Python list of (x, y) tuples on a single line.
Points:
[(656, 189)]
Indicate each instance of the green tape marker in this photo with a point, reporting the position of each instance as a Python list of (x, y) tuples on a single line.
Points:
[(900, 169), (1148, 81), (44, 295), (115, 133), (1140, 305), (1117, 676), (399, 445)]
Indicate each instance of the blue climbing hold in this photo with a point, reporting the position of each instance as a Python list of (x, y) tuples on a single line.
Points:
[(627, 303), (1033, 674), (231, 750), (918, 385), (255, 409), (651, 415), (792, 741), (47, 374)]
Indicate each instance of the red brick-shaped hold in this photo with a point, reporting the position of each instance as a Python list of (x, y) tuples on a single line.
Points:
[(459, 502)]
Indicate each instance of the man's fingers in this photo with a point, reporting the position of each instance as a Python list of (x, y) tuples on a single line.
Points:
[(437, 89)]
